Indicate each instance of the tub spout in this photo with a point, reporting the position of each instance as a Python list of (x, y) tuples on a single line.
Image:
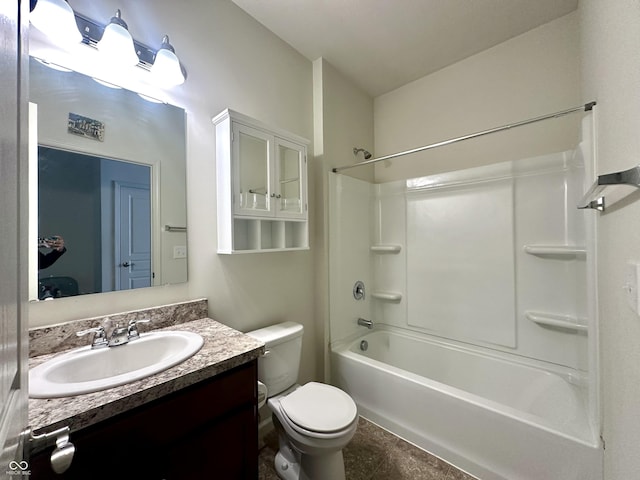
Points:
[(365, 323)]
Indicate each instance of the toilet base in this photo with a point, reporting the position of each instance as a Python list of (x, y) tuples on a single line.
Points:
[(310, 467), (285, 467)]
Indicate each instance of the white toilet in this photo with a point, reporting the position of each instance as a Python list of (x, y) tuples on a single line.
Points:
[(314, 421)]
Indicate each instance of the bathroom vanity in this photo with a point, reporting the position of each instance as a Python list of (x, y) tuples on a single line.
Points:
[(194, 420)]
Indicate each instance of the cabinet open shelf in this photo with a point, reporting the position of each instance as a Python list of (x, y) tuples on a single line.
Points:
[(259, 235), (289, 180)]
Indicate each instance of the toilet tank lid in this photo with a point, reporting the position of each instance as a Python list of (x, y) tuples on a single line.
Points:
[(275, 334)]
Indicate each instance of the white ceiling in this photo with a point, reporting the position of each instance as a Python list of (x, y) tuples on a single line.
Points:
[(384, 44)]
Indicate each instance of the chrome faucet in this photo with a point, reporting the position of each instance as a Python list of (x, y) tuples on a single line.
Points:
[(132, 329), (365, 323), (119, 335), (99, 339)]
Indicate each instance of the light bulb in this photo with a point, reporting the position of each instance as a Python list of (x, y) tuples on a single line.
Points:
[(166, 70), (55, 18), (117, 44)]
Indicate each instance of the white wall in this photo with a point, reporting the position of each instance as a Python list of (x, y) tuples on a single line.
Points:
[(343, 119), (232, 61), (530, 75), (610, 30)]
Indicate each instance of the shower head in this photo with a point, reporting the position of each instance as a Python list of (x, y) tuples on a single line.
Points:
[(366, 154)]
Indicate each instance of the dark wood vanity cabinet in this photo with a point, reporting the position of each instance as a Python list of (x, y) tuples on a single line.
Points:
[(208, 430)]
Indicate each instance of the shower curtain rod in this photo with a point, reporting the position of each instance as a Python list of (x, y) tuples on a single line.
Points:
[(587, 107)]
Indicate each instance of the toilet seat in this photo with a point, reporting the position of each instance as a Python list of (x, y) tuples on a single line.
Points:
[(320, 408)]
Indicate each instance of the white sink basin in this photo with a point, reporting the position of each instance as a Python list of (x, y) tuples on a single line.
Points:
[(87, 370)]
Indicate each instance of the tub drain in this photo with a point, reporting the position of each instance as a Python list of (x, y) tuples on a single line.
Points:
[(364, 345)]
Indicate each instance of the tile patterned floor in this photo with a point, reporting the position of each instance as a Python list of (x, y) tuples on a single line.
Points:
[(375, 454)]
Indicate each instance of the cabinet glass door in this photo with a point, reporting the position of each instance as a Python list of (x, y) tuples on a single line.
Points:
[(291, 182), (253, 153)]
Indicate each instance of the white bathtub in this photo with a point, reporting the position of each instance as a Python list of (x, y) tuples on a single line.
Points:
[(493, 418)]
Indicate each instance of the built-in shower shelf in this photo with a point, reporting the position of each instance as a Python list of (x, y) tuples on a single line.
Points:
[(383, 249), (556, 250), (387, 296), (566, 322)]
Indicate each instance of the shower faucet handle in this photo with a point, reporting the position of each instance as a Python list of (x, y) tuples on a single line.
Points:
[(358, 290)]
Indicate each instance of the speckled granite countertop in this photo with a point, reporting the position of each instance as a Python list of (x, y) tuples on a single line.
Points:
[(224, 348)]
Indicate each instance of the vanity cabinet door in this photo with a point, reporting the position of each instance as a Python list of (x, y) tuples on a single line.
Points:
[(208, 430), (221, 444)]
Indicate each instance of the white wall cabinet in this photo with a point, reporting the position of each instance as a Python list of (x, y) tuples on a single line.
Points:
[(261, 186)]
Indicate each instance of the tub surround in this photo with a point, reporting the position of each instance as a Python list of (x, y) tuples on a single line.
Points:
[(224, 349), (435, 266)]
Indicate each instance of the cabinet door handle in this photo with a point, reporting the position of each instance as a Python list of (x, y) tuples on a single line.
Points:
[(62, 455), (127, 264)]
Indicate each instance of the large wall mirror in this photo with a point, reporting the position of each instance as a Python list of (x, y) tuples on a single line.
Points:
[(110, 188)]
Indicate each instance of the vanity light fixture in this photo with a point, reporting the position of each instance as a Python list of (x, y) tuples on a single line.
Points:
[(166, 69), (101, 47), (55, 18), (117, 43)]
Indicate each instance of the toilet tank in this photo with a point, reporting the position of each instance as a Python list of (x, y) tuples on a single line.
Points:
[(278, 368)]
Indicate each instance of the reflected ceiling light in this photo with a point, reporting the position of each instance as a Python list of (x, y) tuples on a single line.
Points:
[(117, 42), (106, 84), (166, 69), (52, 65), (55, 19), (151, 99)]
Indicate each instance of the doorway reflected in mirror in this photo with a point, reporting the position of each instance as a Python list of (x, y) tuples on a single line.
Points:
[(102, 209)]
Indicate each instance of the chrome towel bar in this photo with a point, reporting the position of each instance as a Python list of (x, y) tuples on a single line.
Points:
[(611, 188)]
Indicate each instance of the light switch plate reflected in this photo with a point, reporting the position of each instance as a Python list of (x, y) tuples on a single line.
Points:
[(180, 251)]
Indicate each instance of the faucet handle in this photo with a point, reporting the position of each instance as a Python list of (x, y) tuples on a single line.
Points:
[(119, 336), (132, 329), (99, 339)]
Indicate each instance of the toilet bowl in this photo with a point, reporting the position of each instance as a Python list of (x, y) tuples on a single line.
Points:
[(314, 421)]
